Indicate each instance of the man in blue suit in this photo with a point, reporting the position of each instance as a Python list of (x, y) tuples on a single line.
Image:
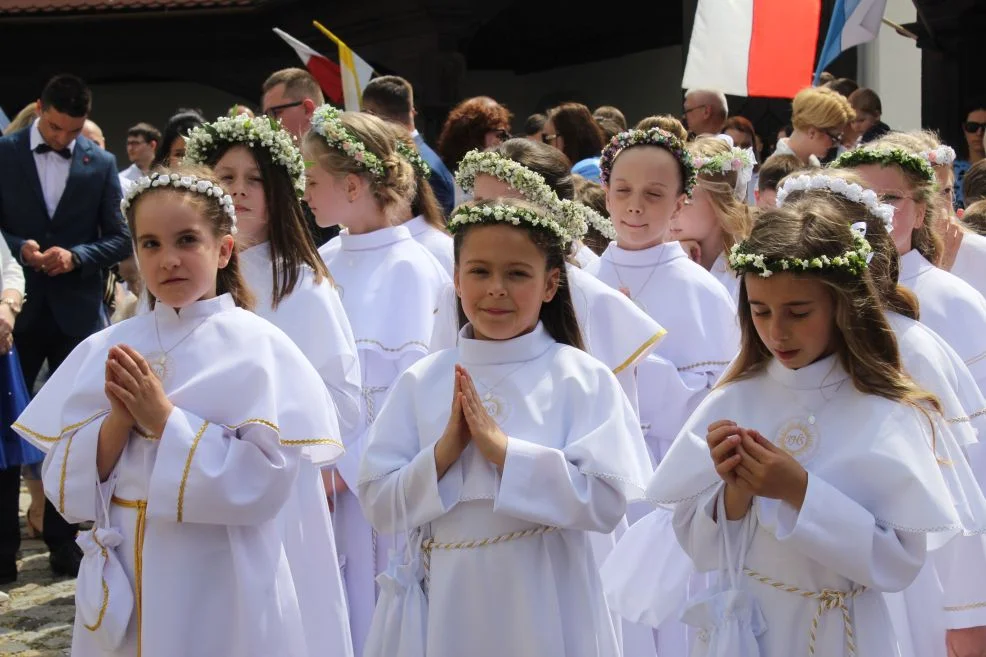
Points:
[(391, 97), (60, 214)]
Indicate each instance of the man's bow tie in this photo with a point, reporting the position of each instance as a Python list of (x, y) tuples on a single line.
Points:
[(41, 149)]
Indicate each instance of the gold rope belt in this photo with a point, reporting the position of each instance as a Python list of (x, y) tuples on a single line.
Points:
[(828, 600), (141, 506), (430, 544)]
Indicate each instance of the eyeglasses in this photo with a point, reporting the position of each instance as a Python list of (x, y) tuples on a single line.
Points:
[(275, 111), (503, 135), (547, 139), (687, 110), (136, 142), (973, 126), (836, 137)]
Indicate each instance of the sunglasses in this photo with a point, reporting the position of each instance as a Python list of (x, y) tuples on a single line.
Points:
[(973, 126), (547, 139), (503, 135), (836, 137)]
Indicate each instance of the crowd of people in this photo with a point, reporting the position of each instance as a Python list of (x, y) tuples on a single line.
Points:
[(296, 383)]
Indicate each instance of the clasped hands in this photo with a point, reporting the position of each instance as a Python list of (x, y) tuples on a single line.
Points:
[(469, 423), (135, 393), (751, 465), (53, 261)]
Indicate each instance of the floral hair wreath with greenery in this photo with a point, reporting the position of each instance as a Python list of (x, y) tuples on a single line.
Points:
[(744, 261), (466, 215), (847, 190), (203, 141), (413, 158), (651, 137), (885, 157), (573, 217), (191, 183), (943, 156), (740, 160), (325, 122)]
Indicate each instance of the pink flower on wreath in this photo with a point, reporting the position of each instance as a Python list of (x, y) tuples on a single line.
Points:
[(359, 156), (736, 164)]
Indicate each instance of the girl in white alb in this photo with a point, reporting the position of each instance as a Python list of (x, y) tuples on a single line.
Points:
[(949, 306), (824, 488), (391, 288), (648, 176), (499, 457), (179, 433), (942, 611), (716, 216), (263, 171)]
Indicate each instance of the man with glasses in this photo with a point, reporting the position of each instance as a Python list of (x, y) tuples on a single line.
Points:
[(291, 96), (704, 111), (142, 142)]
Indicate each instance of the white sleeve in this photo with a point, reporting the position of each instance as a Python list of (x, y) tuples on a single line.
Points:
[(961, 566), (70, 476), (842, 535), (10, 269), (541, 485), (207, 473), (697, 529)]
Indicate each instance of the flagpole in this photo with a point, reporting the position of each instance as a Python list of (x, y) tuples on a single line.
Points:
[(336, 40), (899, 29)]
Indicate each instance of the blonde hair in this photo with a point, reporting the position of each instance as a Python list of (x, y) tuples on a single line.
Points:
[(23, 119), (924, 239), (398, 184), (229, 279), (974, 217), (423, 200), (885, 264), (864, 342), (733, 215), (820, 107), (665, 122)]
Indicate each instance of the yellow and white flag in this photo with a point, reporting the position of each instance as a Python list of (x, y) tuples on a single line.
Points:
[(356, 73)]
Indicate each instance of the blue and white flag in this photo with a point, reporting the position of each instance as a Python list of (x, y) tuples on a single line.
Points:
[(853, 22)]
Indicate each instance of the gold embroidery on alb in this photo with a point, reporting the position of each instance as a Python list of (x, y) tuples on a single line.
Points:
[(799, 438)]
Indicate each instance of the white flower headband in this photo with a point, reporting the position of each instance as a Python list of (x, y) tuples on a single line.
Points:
[(580, 212), (943, 156), (572, 216), (203, 141), (325, 122), (191, 183), (413, 158), (853, 261), (844, 188), (740, 160), (465, 215)]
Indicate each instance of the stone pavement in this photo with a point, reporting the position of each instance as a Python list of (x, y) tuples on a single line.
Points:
[(37, 619)]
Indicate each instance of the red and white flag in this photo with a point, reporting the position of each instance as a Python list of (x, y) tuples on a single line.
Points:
[(325, 71), (753, 47)]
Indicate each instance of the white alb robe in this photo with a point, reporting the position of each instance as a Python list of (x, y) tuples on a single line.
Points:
[(439, 244), (951, 308), (970, 261), (726, 276), (584, 256), (575, 456), (313, 317), (700, 318), (875, 492), (391, 288), (203, 500)]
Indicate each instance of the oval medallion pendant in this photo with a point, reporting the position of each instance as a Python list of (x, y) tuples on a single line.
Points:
[(159, 364), (496, 407)]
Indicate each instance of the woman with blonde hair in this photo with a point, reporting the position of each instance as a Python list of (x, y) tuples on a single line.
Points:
[(23, 119), (819, 117)]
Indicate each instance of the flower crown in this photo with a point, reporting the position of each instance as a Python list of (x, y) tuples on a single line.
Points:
[(943, 156), (845, 189), (203, 141), (853, 261), (588, 217), (740, 160), (413, 158), (651, 137), (325, 122), (885, 156), (465, 215), (191, 183), (573, 217)]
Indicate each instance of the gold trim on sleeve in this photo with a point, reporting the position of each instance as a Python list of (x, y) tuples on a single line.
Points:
[(973, 605), (304, 442), (640, 350), (17, 426), (410, 343), (106, 589), (188, 466), (704, 363), (61, 482), (286, 442)]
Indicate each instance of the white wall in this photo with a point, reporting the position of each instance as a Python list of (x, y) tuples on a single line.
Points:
[(640, 84), (891, 66)]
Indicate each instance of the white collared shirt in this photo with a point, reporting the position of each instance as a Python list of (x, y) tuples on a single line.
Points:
[(52, 169)]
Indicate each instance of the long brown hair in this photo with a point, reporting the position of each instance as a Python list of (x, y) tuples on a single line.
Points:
[(733, 215), (864, 342), (424, 203), (885, 264), (583, 137), (229, 280), (291, 244), (557, 315)]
